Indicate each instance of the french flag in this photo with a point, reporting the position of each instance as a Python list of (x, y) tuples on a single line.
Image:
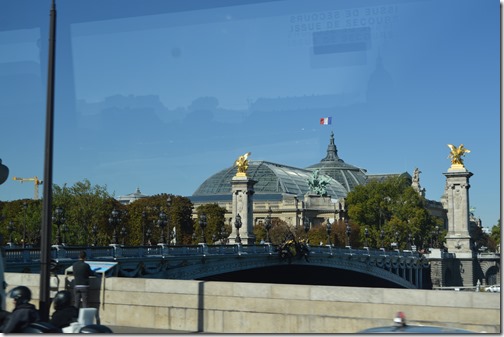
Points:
[(325, 121)]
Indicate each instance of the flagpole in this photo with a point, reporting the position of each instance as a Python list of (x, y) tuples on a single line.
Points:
[(45, 244)]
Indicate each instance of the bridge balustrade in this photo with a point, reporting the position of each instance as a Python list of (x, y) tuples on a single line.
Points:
[(14, 255), (188, 261)]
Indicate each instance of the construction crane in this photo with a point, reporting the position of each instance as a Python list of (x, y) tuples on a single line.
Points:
[(35, 180)]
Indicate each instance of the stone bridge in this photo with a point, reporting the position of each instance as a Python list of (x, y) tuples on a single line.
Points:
[(402, 269)]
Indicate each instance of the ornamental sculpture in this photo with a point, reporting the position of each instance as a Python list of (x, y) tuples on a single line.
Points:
[(242, 165), (317, 183), (456, 154)]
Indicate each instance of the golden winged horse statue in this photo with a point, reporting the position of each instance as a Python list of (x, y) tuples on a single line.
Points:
[(456, 154), (242, 165)]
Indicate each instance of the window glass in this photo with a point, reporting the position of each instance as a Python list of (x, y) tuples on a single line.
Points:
[(160, 95)]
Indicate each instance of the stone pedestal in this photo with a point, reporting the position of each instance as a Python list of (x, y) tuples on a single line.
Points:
[(242, 188), (458, 240)]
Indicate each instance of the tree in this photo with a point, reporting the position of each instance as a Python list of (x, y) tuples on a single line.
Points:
[(214, 222), (495, 236), (84, 205), (145, 215), (394, 207)]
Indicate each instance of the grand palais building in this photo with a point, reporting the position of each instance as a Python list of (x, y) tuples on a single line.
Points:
[(284, 192)]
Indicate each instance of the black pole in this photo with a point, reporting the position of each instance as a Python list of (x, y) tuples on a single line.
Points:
[(45, 247)]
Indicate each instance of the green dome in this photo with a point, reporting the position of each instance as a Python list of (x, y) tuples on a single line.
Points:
[(347, 175), (271, 179)]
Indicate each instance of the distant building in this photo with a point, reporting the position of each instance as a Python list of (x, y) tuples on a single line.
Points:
[(129, 198)]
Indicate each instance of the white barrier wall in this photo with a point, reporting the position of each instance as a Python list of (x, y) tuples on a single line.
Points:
[(222, 307)]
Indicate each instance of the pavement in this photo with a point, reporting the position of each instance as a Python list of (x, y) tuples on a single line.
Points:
[(128, 329)]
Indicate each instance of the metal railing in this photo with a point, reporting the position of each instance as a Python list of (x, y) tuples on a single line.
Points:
[(29, 255)]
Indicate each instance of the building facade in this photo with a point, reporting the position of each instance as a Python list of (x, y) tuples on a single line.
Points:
[(284, 192)]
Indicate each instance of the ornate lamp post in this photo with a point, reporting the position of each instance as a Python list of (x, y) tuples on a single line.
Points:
[(168, 205), (11, 228), (328, 229), (144, 225), (148, 234), (221, 235), (58, 219), (114, 220), (238, 224), (203, 224), (123, 234), (94, 231), (162, 222), (267, 225), (348, 232), (306, 225), (437, 237), (64, 230), (396, 234), (382, 237), (25, 208), (366, 234)]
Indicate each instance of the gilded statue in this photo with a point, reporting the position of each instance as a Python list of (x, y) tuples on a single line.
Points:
[(456, 154), (242, 165)]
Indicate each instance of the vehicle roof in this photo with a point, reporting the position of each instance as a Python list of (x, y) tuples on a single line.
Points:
[(414, 329)]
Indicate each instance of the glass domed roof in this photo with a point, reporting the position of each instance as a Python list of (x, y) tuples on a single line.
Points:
[(271, 179), (347, 175)]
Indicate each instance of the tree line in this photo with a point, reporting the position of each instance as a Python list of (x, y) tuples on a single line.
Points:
[(388, 214)]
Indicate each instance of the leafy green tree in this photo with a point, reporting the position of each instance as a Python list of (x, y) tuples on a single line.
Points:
[(495, 234), (26, 216), (394, 207), (214, 222), (316, 235), (84, 205), (260, 232), (144, 216)]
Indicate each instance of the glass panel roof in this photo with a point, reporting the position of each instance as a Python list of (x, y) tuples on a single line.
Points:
[(271, 178)]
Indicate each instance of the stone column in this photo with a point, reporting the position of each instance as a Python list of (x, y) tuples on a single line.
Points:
[(243, 189), (458, 240)]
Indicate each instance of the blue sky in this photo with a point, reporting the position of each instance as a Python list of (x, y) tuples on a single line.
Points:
[(161, 98)]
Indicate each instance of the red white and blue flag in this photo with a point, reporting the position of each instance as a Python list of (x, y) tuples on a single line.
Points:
[(325, 121)]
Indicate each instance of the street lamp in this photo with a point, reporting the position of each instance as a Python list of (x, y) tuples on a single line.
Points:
[(397, 239), (162, 222), (148, 234), (144, 224), (114, 220), (306, 225), (25, 208), (328, 229), (168, 205), (203, 224), (267, 225), (382, 237), (94, 231), (437, 237), (58, 219), (123, 234), (11, 228), (348, 231), (238, 224), (366, 234), (64, 230), (220, 235)]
